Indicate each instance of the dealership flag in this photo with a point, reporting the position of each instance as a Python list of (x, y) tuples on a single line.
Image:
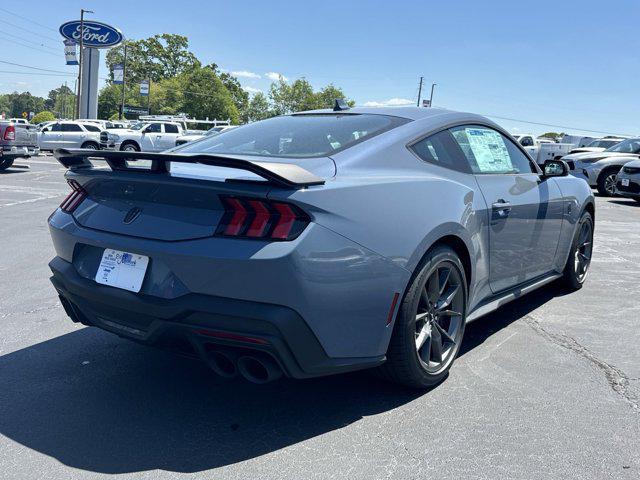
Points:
[(144, 88), (70, 52), (118, 73)]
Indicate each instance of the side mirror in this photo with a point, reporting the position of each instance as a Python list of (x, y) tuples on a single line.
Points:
[(555, 168)]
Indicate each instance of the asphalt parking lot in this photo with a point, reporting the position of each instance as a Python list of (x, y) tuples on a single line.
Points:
[(547, 387)]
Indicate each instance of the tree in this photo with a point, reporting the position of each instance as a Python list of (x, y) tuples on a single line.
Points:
[(157, 57), (206, 96), (44, 116), (326, 97), (239, 94), (14, 104), (61, 101), (552, 135), (258, 108), (299, 95)]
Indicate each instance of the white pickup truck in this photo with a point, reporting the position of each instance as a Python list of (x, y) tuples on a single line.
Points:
[(142, 137), (542, 149)]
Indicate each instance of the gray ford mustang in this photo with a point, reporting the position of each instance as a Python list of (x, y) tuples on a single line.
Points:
[(319, 242)]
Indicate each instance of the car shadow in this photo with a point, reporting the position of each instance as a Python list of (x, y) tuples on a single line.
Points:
[(101, 404), (628, 202)]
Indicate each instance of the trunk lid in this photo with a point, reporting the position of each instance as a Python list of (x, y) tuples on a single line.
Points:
[(184, 204)]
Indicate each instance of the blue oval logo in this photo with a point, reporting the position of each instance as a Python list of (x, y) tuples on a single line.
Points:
[(95, 35)]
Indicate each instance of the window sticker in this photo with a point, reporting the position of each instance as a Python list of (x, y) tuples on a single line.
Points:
[(489, 150)]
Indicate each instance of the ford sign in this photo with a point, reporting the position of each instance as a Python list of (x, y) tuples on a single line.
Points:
[(95, 35)]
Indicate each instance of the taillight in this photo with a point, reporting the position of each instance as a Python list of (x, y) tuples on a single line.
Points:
[(10, 133), (261, 219), (75, 198)]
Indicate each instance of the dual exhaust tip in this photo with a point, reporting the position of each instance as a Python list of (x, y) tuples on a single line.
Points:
[(259, 368)]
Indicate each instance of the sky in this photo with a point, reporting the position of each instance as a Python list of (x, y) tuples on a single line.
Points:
[(571, 64)]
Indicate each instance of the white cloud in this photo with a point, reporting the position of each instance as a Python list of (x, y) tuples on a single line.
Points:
[(275, 76), (252, 90), (245, 74), (392, 102)]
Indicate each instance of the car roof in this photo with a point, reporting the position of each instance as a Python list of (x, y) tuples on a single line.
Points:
[(425, 116)]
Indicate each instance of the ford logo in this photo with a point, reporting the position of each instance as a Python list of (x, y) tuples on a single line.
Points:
[(95, 34)]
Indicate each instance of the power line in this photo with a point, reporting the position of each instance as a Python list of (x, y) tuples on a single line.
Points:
[(29, 46), (28, 20), (31, 41), (29, 31), (564, 127), (32, 68), (37, 73)]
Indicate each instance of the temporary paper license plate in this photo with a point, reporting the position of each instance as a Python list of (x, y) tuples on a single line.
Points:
[(624, 182), (122, 270)]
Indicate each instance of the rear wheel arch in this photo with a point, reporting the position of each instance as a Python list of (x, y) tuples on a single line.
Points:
[(590, 207), (453, 238)]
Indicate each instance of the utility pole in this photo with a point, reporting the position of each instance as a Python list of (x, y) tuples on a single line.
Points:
[(124, 81), (420, 91), (433, 85), (82, 12)]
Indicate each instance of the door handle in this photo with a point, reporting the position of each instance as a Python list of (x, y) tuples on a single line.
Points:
[(502, 207)]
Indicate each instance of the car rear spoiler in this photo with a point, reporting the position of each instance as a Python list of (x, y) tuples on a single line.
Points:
[(286, 175)]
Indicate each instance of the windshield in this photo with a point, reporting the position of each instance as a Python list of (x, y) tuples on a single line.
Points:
[(137, 126), (308, 135), (631, 145), (603, 143)]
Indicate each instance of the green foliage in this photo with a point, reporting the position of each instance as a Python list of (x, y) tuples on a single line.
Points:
[(299, 95), (61, 101), (157, 57), (44, 116), (552, 135), (259, 108), (13, 104), (180, 84)]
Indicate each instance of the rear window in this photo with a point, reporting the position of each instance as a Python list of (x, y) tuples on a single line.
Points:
[(297, 136)]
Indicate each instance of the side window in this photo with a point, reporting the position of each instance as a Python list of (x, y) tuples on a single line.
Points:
[(71, 127), (527, 142), (92, 128), (488, 151), (153, 128), (441, 149), (170, 128), (56, 127)]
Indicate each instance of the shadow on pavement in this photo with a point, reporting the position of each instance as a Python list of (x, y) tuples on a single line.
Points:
[(98, 403)]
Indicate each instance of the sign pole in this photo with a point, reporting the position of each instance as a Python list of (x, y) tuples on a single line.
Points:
[(149, 99), (82, 12), (124, 81)]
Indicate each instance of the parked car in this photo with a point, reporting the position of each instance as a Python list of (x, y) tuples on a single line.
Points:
[(22, 121), (599, 145), (182, 139), (17, 140), (318, 242), (72, 134), (145, 137), (600, 168), (542, 149), (628, 180)]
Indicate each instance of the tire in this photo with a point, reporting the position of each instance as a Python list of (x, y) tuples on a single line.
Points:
[(129, 147), (577, 266), (91, 146), (6, 163), (607, 182), (418, 367)]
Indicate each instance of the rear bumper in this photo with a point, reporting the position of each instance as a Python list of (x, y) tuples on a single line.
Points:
[(16, 151), (632, 190), (191, 322)]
